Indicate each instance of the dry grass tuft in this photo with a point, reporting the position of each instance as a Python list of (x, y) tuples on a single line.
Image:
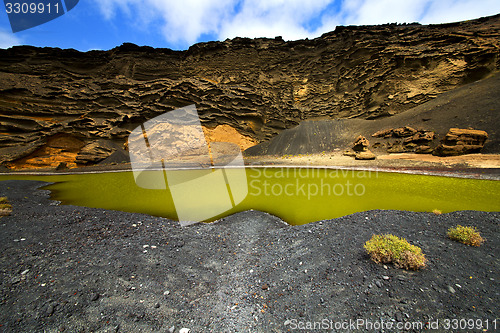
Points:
[(437, 212), (390, 248)]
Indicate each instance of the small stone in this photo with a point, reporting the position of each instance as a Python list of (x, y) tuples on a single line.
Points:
[(171, 329), (94, 297), (167, 292), (157, 305), (50, 310), (265, 286), (25, 272), (399, 317), (451, 289), (184, 330), (385, 277), (378, 283)]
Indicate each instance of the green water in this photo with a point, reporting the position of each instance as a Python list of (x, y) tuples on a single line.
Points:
[(297, 195)]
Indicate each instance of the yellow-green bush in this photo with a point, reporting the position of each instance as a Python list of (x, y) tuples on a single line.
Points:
[(466, 235), (5, 207), (392, 249)]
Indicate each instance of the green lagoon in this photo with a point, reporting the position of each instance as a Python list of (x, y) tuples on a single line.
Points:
[(296, 195)]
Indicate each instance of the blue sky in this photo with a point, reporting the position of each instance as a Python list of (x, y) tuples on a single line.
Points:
[(104, 24)]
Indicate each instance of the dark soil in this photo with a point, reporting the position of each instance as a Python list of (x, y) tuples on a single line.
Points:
[(76, 269)]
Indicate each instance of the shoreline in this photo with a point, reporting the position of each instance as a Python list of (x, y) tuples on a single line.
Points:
[(465, 166)]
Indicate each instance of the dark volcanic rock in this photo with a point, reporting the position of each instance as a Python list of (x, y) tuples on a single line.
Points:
[(257, 86)]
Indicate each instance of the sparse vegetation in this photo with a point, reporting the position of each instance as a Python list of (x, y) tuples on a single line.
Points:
[(467, 235), (392, 249), (5, 206)]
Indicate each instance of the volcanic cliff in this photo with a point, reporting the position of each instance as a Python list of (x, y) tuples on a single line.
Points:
[(79, 107)]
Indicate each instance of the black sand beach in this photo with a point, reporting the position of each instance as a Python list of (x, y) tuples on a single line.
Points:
[(76, 269)]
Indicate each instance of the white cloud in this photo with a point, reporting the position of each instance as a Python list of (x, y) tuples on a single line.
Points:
[(445, 11), (184, 22), (178, 21), (8, 39), (272, 18)]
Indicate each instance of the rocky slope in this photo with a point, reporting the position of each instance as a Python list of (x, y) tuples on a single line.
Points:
[(473, 105), (55, 103)]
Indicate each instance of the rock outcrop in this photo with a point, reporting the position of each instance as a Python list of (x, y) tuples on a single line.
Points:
[(360, 144), (259, 87), (461, 141), (365, 155), (407, 140), (360, 149)]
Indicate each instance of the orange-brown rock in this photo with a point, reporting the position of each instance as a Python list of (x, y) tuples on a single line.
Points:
[(360, 144), (403, 132), (386, 133), (259, 87), (461, 141), (365, 155)]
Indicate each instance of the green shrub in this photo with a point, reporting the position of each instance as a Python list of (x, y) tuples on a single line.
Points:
[(5, 207), (466, 235), (390, 248)]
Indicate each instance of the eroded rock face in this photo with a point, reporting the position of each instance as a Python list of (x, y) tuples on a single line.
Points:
[(258, 87), (360, 144), (95, 152), (461, 141), (407, 139)]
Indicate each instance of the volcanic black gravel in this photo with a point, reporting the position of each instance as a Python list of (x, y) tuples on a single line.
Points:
[(76, 269)]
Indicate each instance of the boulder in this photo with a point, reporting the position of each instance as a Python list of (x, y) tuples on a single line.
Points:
[(349, 153), (365, 155), (461, 141), (403, 132), (396, 149), (387, 133), (360, 144), (423, 149), (421, 137), (95, 152)]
